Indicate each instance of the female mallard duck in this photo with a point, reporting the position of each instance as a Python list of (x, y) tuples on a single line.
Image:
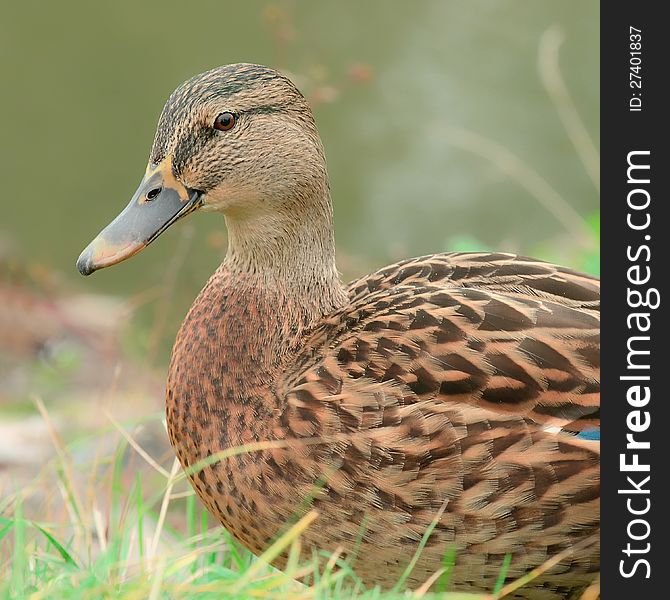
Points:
[(455, 381)]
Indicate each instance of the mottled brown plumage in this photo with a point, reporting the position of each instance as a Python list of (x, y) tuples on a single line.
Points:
[(456, 381)]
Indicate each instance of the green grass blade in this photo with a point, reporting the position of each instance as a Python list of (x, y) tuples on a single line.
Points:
[(231, 545), (502, 575), (139, 507), (6, 529), (67, 557), (422, 544), (19, 556), (448, 563)]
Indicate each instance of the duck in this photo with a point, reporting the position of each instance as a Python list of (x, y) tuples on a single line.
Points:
[(458, 391)]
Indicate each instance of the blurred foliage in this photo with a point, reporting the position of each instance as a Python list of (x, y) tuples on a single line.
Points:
[(447, 127)]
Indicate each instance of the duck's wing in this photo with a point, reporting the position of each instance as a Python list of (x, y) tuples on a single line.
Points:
[(506, 273), (510, 335), (459, 378)]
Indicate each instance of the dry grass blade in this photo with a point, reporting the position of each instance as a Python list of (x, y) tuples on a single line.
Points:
[(141, 451), (99, 528), (132, 542), (536, 185), (550, 73), (554, 560), (275, 549), (70, 491), (592, 592), (192, 557), (164, 506), (293, 561), (328, 578), (184, 494), (334, 557), (157, 581), (420, 592), (257, 447)]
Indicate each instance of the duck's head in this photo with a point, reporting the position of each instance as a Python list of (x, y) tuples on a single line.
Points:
[(239, 139)]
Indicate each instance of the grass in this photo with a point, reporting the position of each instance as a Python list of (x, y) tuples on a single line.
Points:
[(125, 526), (112, 530)]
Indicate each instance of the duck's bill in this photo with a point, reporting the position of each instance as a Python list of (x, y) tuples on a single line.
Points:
[(159, 201)]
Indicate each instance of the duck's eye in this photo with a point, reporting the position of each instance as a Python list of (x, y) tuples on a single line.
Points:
[(224, 121)]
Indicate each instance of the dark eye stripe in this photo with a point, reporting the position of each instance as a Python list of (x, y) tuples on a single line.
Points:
[(266, 110)]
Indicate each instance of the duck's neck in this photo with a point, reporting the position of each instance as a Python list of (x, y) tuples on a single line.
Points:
[(253, 317), (290, 254)]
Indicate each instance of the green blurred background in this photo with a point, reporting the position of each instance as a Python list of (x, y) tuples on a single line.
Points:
[(442, 126)]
